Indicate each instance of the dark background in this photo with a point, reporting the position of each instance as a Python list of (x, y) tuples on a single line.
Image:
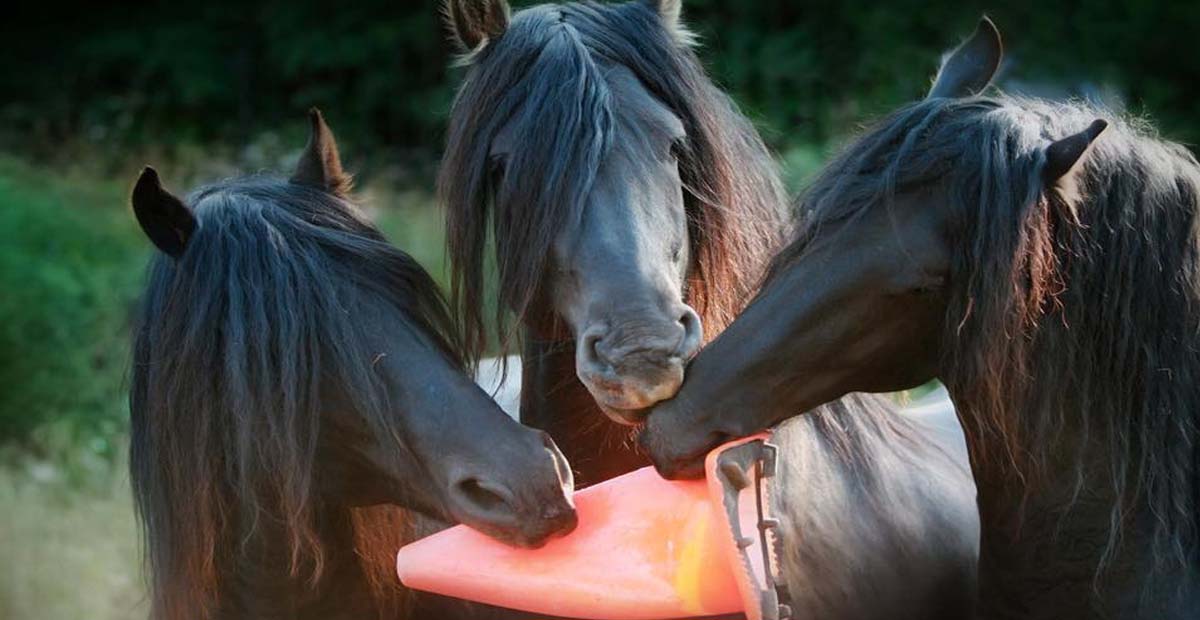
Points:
[(91, 92), (223, 72)]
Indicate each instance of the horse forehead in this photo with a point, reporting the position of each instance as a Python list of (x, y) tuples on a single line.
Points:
[(636, 108), (625, 214), (638, 116)]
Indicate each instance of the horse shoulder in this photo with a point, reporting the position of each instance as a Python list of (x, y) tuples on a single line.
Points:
[(890, 530)]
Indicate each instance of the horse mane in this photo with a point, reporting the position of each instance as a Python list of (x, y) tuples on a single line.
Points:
[(546, 77), (235, 347), (1072, 314)]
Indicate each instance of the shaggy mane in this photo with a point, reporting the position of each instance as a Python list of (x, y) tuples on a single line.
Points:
[(235, 345), (1069, 313), (545, 77)]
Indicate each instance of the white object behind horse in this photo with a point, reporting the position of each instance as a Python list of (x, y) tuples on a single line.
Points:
[(506, 391), (934, 410)]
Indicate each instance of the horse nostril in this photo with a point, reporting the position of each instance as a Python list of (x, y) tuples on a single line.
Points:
[(693, 333), (481, 496), (591, 347)]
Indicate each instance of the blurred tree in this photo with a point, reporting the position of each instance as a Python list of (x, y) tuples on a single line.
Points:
[(221, 71), (808, 71)]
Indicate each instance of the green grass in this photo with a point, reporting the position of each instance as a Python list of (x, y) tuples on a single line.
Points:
[(412, 222), (70, 265), (71, 261), (70, 548)]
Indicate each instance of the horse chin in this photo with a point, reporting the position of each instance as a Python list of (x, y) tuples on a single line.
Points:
[(671, 465), (625, 406), (507, 536), (628, 401), (528, 534)]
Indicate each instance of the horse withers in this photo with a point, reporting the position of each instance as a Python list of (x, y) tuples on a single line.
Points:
[(1042, 259), (299, 399)]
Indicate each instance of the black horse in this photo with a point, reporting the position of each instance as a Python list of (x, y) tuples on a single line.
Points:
[(571, 143), (1043, 260), (633, 210), (297, 387)]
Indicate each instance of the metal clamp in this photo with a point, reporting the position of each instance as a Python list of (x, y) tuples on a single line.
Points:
[(739, 468)]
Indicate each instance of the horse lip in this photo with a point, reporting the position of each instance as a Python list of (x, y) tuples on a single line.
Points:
[(672, 466), (604, 381), (622, 394), (518, 533), (682, 467), (616, 400)]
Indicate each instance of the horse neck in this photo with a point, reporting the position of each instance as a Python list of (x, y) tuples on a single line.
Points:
[(1042, 546), (259, 583), (554, 400)]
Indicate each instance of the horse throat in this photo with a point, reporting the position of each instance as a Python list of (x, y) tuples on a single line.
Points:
[(554, 400), (259, 582)]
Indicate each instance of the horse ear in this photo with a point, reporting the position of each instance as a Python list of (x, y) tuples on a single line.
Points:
[(475, 23), (165, 219), (970, 67), (671, 14), (669, 10), (1064, 155), (320, 166)]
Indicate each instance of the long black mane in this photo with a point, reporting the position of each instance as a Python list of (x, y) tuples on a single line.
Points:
[(237, 344), (1072, 315), (545, 79)]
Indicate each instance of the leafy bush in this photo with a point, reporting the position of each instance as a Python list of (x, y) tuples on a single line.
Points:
[(70, 265), (224, 71)]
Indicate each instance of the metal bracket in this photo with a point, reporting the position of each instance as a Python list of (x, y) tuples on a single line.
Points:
[(749, 467)]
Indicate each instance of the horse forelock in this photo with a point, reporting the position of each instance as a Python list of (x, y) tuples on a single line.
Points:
[(233, 346), (1071, 316), (545, 82)]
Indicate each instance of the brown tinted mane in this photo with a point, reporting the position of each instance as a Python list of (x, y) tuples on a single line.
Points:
[(1072, 318), (543, 78)]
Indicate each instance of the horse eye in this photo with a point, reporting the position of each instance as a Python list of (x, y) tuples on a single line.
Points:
[(931, 283)]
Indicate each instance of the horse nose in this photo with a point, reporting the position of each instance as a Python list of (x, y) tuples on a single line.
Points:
[(640, 362), (494, 508), (557, 516), (605, 351), (526, 508), (596, 355), (483, 499), (566, 477)]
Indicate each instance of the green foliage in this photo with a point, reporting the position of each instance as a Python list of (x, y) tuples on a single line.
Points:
[(223, 71), (812, 71), (808, 71), (70, 265)]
